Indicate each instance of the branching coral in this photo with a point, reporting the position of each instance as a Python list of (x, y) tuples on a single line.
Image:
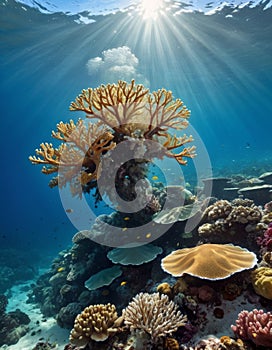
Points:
[(96, 322), (123, 110), (77, 159), (154, 314), (256, 326), (130, 110)]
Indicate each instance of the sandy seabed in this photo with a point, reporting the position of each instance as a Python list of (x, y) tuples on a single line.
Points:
[(40, 328)]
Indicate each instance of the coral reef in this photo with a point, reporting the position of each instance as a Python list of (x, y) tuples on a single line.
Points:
[(265, 241), (124, 112), (238, 221), (95, 322), (86, 161), (256, 326), (13, 325), (209, 261), (262, 281), (154, 314)]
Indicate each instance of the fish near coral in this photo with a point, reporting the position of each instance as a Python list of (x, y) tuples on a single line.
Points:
[(165, 288), (171, 344)]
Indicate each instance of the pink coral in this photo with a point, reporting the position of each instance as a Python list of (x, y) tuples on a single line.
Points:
[(256, 326)]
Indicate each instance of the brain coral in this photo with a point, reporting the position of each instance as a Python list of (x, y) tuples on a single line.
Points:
[(95, 322), (209, 261), (154, 314), (262, 281)]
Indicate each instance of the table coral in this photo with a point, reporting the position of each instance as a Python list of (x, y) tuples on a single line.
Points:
[(125, 111), (256, 326), (209, 261), (95, 322)]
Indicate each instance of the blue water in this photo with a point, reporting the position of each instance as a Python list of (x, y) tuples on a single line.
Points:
[(219, 64)]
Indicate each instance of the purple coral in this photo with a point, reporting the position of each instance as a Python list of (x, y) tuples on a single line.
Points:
[(256, 326), (266, 240)]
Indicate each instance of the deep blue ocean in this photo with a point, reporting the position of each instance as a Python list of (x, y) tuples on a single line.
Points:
[(219, 63)]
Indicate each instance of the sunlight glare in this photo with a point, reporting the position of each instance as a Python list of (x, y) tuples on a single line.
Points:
[(151, 8)]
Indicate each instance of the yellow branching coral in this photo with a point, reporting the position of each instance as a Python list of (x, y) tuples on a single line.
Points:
[(123, 111), (96, 322), (77, 159), (131, 110)]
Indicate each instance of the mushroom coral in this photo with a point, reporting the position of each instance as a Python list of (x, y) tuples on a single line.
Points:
[(209, 261), (121, 111)]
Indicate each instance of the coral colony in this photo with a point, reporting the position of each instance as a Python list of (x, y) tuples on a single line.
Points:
[(155, 296), (123, 112)]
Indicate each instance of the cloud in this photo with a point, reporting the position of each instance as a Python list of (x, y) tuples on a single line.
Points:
[(116, 64)]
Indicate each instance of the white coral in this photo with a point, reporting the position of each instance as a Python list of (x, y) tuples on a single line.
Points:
[(154, 314)]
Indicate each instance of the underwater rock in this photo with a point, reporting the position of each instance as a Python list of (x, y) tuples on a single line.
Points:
[(3, 304), (48, 307), (13, 326), (215, 186), (44, 346), (57, 279), (67, 315), (230, 193)]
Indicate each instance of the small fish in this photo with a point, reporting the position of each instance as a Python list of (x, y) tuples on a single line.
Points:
[(69, 210), (123, 283), (124, 228), (126, 218), (155, 177), (148, 235), (60, 269)]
